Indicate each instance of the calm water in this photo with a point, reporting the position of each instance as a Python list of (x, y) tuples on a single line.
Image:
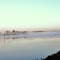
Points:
[(28, 48)]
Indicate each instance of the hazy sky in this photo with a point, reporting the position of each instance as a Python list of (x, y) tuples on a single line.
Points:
[(29, 14)]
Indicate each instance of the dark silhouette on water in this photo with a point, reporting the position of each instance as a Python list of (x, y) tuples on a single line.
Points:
[(55, 56)]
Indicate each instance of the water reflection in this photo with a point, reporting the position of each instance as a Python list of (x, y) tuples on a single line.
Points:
[(29, 48), (7, 37), (23, 48)]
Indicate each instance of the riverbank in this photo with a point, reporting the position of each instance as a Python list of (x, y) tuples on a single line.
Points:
[(55, 56)]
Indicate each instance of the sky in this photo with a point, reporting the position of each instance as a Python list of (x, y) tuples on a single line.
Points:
[(29, 14)]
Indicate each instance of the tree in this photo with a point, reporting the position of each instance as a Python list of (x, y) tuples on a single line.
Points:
[(13, 31)]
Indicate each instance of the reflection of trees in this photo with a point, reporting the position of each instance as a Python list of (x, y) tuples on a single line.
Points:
[(13, 38), (7, 38)]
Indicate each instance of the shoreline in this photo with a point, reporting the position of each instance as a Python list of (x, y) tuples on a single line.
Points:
[(55, 56)]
